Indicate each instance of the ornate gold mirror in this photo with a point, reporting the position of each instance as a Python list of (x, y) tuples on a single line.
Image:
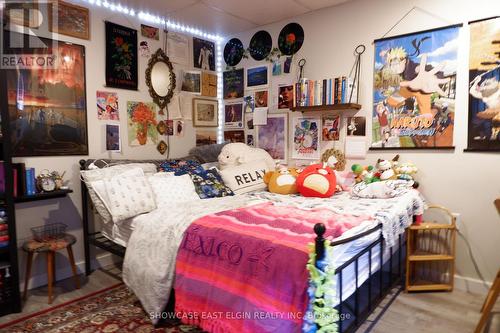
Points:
[(160, 78)]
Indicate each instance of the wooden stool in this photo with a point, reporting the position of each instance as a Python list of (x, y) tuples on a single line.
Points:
[(50, 248)]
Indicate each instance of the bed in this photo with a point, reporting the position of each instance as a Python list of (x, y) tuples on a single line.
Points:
[(367, 257)]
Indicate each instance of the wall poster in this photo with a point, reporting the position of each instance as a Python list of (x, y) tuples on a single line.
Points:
[(121, 57)]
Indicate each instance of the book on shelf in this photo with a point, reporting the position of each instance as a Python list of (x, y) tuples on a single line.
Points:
[(30, 181), (339, 90)]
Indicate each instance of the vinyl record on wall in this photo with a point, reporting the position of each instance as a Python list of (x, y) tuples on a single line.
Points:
[(291, 38), (233, 52), (260, 45)]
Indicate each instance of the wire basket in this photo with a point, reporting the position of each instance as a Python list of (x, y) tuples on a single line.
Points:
[(49, 232)]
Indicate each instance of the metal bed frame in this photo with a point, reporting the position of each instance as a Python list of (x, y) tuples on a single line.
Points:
[(353, 310)]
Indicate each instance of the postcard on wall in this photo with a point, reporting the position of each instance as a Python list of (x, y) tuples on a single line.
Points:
[(191, 82), (113, 137), (285, 96), (234, 136), (107, 105), (484, 86), (49, 105), (206, 136), (203, 54), (178, 48), (121, 57), (249, 139), (249, 126), (260, 116), (306, 138), (257, 76), (415, 108), (69, 19), (233, 82), (356, 126), (355, 147), (331, 127), (208, 84), (180, 128), (273, 136), (233, 115), (261, 98), (142, 122), (150, 32)]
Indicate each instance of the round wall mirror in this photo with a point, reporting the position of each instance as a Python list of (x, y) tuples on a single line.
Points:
[(160, 78)]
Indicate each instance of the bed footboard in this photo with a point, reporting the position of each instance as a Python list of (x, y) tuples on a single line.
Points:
[(353, 309)]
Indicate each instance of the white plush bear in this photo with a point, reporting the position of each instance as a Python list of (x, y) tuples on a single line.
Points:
[(234, 154)]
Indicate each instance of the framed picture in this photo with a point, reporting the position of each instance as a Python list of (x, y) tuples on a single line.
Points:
[(234, 136), (306, 143), (257, 76), (206, 136), (107, 105), (273, 136), (203, 54), (191, 82), (15, 13), (285, 96), (205, 112), (233, 115), (150, 32), (121, 57), (412, 108), (142, 122), (72, 20), (484, 86), (113, 137), (261, 98), (47, 108), (233, 83), (356, 126)]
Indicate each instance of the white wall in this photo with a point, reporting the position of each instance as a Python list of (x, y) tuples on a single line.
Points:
[(68, 210), (467, 183)]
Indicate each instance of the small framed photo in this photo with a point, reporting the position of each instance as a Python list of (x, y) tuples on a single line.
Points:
[(113, 138), (233, 116), (71, 20), (191, 82), (257, 77), (261, 98), (205, 112), (285, 96)]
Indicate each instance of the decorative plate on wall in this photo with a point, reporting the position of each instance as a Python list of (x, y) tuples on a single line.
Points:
[(291, 38), (233, 52), (260, 45)]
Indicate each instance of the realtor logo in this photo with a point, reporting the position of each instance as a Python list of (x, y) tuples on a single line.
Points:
[(26, 38)]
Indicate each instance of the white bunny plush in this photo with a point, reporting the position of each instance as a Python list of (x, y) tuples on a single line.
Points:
[(234, 154)]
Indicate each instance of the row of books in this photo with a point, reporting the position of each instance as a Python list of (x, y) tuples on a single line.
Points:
[(24, 179), (325, 92), (4, 230)]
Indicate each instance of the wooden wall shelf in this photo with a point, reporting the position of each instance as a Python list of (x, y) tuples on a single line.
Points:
[(330, 107), (43, 196)]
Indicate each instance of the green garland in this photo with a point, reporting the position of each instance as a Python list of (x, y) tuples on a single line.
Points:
[(321, 282)]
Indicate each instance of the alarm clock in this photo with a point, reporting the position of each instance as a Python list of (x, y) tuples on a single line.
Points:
[(45, 182)]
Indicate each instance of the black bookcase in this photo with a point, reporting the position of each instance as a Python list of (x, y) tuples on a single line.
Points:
[(10, 300)]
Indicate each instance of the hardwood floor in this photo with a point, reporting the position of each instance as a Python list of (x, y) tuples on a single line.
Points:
[(443, 312)]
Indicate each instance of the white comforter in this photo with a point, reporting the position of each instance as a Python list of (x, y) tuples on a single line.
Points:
[(149, 263)]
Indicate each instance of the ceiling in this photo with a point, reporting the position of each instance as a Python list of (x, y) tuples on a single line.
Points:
[(227, 17)]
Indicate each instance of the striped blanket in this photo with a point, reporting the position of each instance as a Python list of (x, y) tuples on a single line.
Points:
[(243, 270)]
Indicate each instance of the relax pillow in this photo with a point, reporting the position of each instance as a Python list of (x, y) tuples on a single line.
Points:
[(246, 177), (381, 190), (170, 189), (210, 185), (94, 180), (129, 195)]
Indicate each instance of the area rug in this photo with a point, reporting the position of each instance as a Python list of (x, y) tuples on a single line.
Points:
[(114, 309)]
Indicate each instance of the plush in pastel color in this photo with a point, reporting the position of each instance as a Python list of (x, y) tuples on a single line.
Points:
[(234, 154), (317, 180), (282, 181)]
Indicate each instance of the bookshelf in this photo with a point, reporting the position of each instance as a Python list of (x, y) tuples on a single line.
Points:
[(10, 300), (344, 107)]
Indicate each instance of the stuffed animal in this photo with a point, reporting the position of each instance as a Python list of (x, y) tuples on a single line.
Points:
[(282, 181), (364, 174), (317, 180), (406, 171), (234, 154), (386, 168)]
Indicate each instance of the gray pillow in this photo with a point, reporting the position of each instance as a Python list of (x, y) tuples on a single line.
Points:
[(207, 153)]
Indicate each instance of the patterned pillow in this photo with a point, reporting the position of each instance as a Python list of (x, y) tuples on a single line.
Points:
[(209, 184), (170, 189), (381, 190), (179, 167)]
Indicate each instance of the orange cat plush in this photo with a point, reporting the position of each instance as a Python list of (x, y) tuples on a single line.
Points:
[(282, 181)]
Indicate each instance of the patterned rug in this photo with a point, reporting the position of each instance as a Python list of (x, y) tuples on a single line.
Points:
[(114, 309)]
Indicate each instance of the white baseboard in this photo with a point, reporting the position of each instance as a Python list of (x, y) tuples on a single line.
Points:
[(471, 285), (39, 280)]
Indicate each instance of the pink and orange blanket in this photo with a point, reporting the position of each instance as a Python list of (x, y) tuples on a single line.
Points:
[(244, 270)]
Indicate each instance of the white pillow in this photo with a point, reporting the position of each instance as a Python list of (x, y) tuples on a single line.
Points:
[(170, 189), (246, 177), (95, 184), (381, 190), (129, 195)]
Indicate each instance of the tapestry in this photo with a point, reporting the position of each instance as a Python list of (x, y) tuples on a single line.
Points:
[(121, 57)]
